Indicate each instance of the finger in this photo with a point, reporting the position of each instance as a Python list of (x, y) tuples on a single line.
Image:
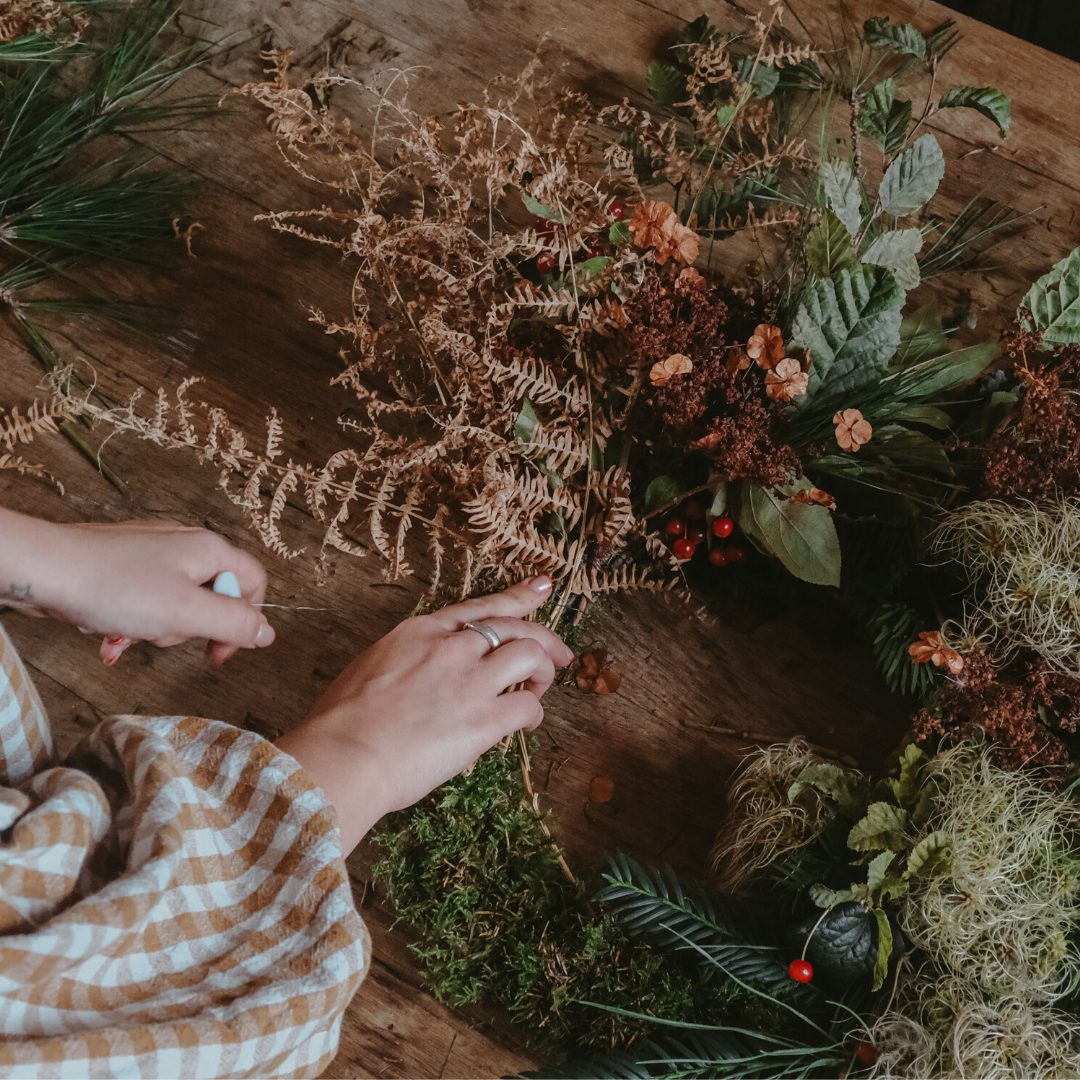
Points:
[(224, 619), (516, 602), (113, 646), (522, 661), (512, 712), (515, 629), (221, 556), (217, 652)]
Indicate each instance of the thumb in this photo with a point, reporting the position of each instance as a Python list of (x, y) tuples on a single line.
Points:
[(514, 603), (227, 619)]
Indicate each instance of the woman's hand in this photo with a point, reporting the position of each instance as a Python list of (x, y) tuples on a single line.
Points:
[(135, 581), (425, 702)]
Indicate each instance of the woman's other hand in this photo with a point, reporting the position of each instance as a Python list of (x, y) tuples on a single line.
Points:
[(426, 701)]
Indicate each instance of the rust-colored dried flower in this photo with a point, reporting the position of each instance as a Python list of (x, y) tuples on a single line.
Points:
[(594, 677), (852, 431), (737, 360), (932, 647), (689, 280), (766, 346), (787, 380), (656, 225), (816, 496), (675, 364)]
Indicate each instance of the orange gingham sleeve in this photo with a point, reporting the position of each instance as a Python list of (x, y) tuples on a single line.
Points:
[(173, 901)]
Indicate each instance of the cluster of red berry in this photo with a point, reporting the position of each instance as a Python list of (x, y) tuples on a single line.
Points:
[(545, 261), (686, 529)]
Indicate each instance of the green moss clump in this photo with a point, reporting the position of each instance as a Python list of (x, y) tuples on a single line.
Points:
[(471, 871)]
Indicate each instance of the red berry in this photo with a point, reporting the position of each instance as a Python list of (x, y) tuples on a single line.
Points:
[(695, 533), (617, 210), (676, 527), (866, 1052), (733, 553), (545, 262), (694, 511), (544, 225), (717, 557), (683, 548), (723, 526), (593, 252), (800, 970)]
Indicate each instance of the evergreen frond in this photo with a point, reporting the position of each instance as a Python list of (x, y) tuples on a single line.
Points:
[(895, 626)]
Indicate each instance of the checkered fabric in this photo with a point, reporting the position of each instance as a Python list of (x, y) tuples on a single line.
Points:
[(173, 901)]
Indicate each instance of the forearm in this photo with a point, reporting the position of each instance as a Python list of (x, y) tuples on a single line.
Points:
[(32, 558)]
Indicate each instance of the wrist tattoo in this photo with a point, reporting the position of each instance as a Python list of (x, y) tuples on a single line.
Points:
[(18, 592)]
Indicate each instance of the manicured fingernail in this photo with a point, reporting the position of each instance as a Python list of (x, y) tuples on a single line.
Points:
[(115, 639), (265, 636), (110, 660), (541, 584), (569, 655)]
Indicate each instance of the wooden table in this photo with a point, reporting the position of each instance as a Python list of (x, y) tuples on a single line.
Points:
[(241, 327)]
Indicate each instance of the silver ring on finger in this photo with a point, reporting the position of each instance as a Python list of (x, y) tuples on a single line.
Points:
[(486, 632)]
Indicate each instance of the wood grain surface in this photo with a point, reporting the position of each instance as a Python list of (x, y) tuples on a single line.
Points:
[(235, 317)]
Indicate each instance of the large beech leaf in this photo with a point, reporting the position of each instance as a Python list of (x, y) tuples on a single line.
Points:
[(801, 535), (828, 246), (847, 789), (844, 948), (911, 180), (929, 855), (992, 103), (1054, 303), (851, 325), (905, 40), (882, 827), (842, 190), (883, 118), (896, 251)]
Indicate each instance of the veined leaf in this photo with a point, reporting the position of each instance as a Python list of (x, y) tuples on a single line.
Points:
[(765, 76), (882, 827), (842, 191), (619, 232), (825, 897), (896, 251), (930, 378), (883, 118), (801, 535), (844, 947), (905, 40), (725, 114), (1054, 303), (929, 855), (921, 335), (851, 325), (526, 422), (847, 789), (662, 490), (911, 180), (885, 946), (881, 882), (906, 788), (667, 84), (993, 104), (828, 246), (594, 266), (541, 210)]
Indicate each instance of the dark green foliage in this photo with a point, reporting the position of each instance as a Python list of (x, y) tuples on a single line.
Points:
[(895, 626), (471, 871)]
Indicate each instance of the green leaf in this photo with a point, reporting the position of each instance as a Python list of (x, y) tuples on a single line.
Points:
[(904, 40), (801, 535), (828, 246), (826, 898), (921, 335), (930, 415), (896, 251), (666, 84), (930, 378), (882, 827), (662, 490), (619, 233), (884, 119), (911, 180), (1054, 303), (881, 885), (929, 856), (842, 190), (847, 789), (594, 266), (765, 77), (906, 788), (884, 951), (725, 114), (851, 325), (526, 422), (992, 103), (541, 210), (844, 947)]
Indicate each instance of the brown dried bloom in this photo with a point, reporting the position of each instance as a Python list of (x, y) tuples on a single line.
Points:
[(931, 646), (690, 280), (21, 17), (594, 677), (737, 360), (676, 364), (656, 225), (787, 381), (766, 346), (816, 496), (852, 431)]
